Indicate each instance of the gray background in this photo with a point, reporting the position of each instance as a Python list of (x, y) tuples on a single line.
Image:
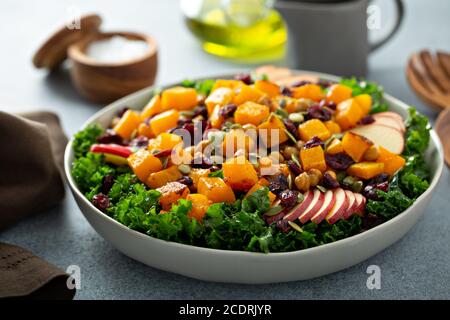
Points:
[(415, 267)]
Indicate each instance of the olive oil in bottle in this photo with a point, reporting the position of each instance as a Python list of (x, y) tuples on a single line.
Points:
[(237, 28)]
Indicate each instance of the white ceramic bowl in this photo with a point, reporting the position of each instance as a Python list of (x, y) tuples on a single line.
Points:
[(249, 267)]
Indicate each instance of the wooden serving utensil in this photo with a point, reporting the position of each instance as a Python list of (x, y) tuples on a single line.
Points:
[(429, 77)]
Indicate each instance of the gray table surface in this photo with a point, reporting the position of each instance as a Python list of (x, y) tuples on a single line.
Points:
[(415, 267)]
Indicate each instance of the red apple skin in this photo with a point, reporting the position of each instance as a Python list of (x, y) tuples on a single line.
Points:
[(275, 218), (351, 204), (328, 203), (361, 204), (298, 210), (339, 207), (313, 207), (115, 149)]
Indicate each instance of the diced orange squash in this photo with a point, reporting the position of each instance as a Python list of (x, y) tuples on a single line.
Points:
[(308, 91), (258, 186), (239, 173), (226, 83), (348, 113), (164, 121), (392, 162), (153, 107), (143, 163), (366, 170), (145, 130), (270, 128), (313, 128), (365, 102), (200, 204), (220, 96), (335, 146), (269, 88), (235, 140), (251, 112), (196, 174), (264, 182), (313, 158), (244, 93), (290, 104), (164, 141), (127, 124), (216, 190), (216, 119), (179, 98), (332, 126), (338, 93), (160, 178), (170, 194), (355, 145)]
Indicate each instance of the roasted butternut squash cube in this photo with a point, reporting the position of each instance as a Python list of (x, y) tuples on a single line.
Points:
[(366, 170), (170, 194), (129, 122), (164, 121), (216, 118), (308, 91), (355, 145), (216, 190), (143, 163), (239, 173), (271, 128), (164, 141), (179, 98), (332, 126), (200, 204), (313, 128), (220, 96), (145, 130), (348, 113), (153, 107), (258, 186), (338, 93), (313, 158), (235, 140), (244, 93), (251, 112), (334, 147), (160, 178), (226, 83), (365, 102), (196, 174), (392, 162), (269, 88)]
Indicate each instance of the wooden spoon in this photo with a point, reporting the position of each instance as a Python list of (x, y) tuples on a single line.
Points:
[(442, 127)]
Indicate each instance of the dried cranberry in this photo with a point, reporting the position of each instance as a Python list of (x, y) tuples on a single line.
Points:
[(200, 111), (314, 142), (290, 126), (244, 77), (370, 221), (324, 83), (186, 180), (214, 169), (339, 161), (283, 225), (139, 142), (318, 112), (182, 122), (286, 92), (110, 137), (107, 183), (288, 198), (295, 169), (163, 153), (367, 120), (228, 110), (271, 219), (329, 104), (277, 183), (329, 182), (382, 177), (300, 83), (122, 111), (201, 162), (205, 128), (370, 191), (101, 202)]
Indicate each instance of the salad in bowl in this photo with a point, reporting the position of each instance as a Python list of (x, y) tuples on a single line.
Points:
[(255, 163)]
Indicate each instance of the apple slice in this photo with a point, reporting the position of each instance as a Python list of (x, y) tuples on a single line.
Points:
[(327, 205), (387, 137), (315, 205), (390, 122), (360, 204), (301, 207), (352, 204), (339, 207)]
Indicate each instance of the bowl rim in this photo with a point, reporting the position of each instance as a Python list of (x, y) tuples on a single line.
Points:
[(258, 255)]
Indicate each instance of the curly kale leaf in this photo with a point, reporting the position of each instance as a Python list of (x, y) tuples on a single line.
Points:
[(84, 139)]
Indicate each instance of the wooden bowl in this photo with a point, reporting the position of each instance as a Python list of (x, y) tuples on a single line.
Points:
[(105, 82)]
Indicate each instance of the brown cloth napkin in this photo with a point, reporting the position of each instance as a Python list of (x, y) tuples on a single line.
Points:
[(32, 149)]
